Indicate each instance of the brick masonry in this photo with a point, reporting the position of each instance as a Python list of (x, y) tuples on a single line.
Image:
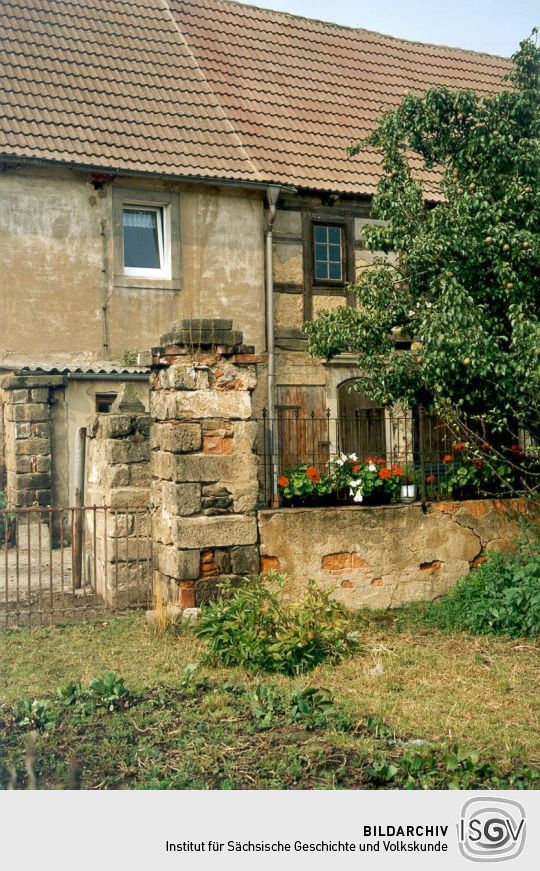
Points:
[(386, 556), (204, 465)]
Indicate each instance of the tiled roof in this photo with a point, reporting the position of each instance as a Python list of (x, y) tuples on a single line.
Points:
[(209, 88), (111, 84), (300, 91)]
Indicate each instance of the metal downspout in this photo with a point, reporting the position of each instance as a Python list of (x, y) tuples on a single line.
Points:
[(272, 195)]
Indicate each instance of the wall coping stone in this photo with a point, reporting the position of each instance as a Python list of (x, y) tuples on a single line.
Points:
[(16, 382)]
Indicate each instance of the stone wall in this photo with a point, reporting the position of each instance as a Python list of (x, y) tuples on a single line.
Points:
[(204, 466), (383, 557), (118, 477), (27, 438)]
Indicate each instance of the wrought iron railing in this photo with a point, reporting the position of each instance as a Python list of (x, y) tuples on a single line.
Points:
[(430, 454)]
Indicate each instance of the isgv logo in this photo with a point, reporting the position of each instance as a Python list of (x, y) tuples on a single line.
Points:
[(491, 829)]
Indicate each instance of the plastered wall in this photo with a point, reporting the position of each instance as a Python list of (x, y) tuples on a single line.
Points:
[(57, 249)]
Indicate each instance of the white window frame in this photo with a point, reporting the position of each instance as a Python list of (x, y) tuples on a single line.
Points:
[(164, 241)]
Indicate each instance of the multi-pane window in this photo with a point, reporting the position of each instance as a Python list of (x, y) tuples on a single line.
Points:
[(144, 241), (328, 261)]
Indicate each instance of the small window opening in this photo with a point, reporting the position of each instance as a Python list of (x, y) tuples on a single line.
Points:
[(104, 402)]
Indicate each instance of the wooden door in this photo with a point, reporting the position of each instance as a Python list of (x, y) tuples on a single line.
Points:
[(303, 427)]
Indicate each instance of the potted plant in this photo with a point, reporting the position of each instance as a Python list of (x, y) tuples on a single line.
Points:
[(409, 484), (304, 485)]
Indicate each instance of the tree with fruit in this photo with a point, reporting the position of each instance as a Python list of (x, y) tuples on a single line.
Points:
[(463, 284)]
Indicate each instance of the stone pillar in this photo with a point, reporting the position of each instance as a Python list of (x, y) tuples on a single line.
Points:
[(204, 465), (27, 434), (118, 476)]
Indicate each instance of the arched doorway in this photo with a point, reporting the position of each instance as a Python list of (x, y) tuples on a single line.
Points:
[(361, 423)]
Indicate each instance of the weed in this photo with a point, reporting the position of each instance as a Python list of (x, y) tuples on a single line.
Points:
[(500, 597), (253, 626)]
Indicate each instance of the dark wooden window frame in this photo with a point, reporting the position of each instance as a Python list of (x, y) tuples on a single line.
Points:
[(312, 286)]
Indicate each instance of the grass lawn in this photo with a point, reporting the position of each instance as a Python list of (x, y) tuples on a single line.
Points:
[(410, 706)]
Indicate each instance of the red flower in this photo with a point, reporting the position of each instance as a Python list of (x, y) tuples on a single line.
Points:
[(369, 460), (448, 458), (516, 449), (357, 468), (397, 470), (385, 473), (430, 479), (313, 474), (380, 461), (485, 446), (283, 481), (459, 446), (478, 463)]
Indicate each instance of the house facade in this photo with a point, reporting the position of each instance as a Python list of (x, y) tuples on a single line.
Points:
[(168, 161)]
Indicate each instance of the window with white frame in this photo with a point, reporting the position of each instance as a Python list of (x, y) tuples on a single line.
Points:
[(146, 241)]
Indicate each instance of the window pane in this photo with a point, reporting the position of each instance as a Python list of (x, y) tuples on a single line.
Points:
[(334, 235), (327, 253), (141, 245), (335, 271), (321, 270)]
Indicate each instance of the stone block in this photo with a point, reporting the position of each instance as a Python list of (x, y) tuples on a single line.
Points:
[(208, 589), (127, 451), (179, 564), (115, 426), (140, 475), (23, 430), (40, 394), (245, 560), (41, 430), (23, 464), (199, 404), (162, 527), (223, 531), (42, 464), (128, 497), (181, 499), (184, 376), (117, 476), (33, 447), (205, 467), (28, 412), (20, 396), (177, 437), (33, 481), (129, 549), (13, 382)]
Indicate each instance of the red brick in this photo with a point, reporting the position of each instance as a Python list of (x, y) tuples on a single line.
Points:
[(270, 564), (186, 595)]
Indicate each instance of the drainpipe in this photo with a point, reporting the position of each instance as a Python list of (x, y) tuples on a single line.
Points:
[(272, 195), (79, 461), (105, 286)]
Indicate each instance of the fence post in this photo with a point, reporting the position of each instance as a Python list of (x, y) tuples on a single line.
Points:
[(421, 451)]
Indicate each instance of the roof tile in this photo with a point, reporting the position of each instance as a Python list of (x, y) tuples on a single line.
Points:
[(211, 88)]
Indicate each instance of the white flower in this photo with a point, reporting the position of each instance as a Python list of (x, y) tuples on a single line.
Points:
[(354, 484), (340, 462), (358, 496), (372, 467), (353, 457)]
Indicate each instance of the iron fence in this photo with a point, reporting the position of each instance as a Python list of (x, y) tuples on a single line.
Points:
[(428, 452), (72, 563)]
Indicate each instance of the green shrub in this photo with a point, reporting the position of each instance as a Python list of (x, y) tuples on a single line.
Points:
[(252, 626), (500, 597)]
